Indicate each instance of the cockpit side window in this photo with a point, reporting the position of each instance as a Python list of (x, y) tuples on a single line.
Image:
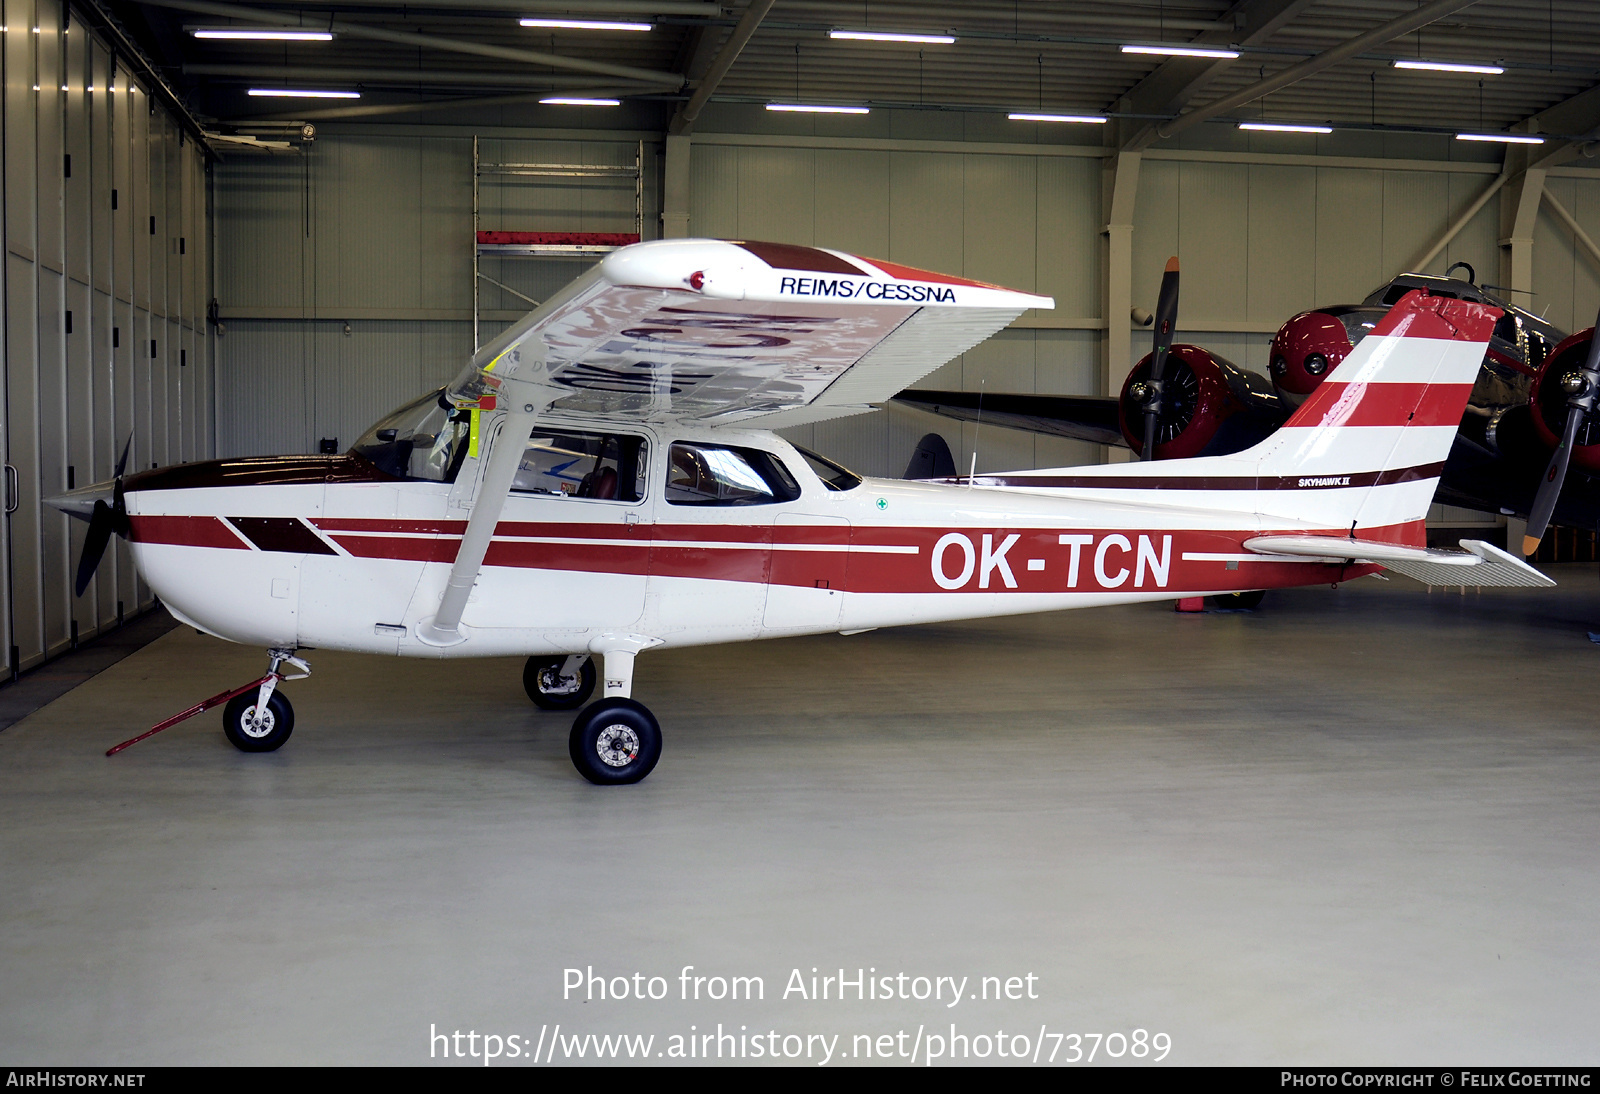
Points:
[(708, 474), (601, 466), (425, 440)]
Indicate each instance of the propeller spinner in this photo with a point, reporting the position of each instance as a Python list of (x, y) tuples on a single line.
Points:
[(89, 503), (1582, 388)]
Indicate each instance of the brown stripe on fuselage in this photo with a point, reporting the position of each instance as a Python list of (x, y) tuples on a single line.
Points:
[(286, 535), (1200, 482), (259, 471)]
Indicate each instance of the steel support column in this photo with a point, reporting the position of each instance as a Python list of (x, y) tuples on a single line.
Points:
[(675, 189), (1519, 211)]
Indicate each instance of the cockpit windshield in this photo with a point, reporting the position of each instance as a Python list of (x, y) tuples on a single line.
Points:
[(425, 440)]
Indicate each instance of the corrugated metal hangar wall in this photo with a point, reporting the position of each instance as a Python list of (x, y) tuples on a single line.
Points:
[(345, 279), (106, 282)]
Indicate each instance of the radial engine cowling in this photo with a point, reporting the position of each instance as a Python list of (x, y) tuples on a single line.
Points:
[(1209, 406), (1306, 349), (1550, 391)]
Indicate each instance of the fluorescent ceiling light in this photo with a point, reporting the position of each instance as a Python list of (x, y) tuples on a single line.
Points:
[(811, 108), (1276, 127), (892, 36), (1500, 138), (1449, 66), (583, 24), (275, 34), (567, 100), (284, 93), (1085, 119), (1183, 51)]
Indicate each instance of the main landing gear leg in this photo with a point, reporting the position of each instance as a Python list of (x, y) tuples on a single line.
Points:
[(616, 740)]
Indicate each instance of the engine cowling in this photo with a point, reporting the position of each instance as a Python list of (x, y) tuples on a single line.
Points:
[(1304, 351), (1549, 402), (1209, 406)]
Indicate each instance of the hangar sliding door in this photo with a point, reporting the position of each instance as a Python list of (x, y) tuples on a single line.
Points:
[(102, 290)]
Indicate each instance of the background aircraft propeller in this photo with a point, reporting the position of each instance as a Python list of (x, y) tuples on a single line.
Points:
[(1583, 394), (105, 520), (1166, 320)]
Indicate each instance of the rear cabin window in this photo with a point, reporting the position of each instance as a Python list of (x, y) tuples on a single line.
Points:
[(602, 466), (833, 475), (705, 474)]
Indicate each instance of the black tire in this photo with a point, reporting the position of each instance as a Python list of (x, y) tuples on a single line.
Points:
[(277, 726), (1247, 602), (541, 672), (615, 741)]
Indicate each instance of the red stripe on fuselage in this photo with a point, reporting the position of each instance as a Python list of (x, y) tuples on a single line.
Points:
[(861, 559), (184, 532), (878, 559)]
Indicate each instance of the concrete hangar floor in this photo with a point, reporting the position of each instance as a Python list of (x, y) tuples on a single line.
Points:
[(1356, 826)]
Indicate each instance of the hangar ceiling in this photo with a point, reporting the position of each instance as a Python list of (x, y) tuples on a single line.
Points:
[(1324, 62)]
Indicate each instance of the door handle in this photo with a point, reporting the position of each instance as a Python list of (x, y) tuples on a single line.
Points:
[(13, 489)]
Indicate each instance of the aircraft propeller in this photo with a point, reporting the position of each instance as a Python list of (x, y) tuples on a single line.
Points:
[(1166, 320), (1583, 395), (104, 520)]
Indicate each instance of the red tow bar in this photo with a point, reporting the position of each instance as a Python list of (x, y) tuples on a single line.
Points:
[(198, 708)]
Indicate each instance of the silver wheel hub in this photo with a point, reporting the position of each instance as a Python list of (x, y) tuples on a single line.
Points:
[(617, 745), (251, 728), (551, 682)]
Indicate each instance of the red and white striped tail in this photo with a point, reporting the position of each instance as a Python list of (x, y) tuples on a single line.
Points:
[(1373, 439)]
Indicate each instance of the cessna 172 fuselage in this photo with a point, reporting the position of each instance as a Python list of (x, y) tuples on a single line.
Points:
[(594, 485)]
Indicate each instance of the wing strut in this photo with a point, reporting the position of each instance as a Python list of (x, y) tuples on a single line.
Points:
[(521, 408)]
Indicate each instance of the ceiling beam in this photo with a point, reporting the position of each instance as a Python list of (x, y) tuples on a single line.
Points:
[(1169, 88), (685, 116), (427, 41), (1579, 114), (1377, 36), (369, 110), (396, 77)]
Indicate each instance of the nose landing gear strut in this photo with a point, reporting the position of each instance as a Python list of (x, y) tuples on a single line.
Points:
[(258, 726)]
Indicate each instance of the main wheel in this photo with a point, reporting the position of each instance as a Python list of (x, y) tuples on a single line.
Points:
[(274, 729), (1248, 602), (549, 690), (615, 741)]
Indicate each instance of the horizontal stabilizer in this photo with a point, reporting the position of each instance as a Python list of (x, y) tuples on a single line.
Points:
[(1480, 564)]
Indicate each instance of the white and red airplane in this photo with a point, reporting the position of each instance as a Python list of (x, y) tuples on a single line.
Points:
[(602, 480)]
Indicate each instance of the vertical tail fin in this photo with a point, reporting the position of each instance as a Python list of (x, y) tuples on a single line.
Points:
[(1372, 440)]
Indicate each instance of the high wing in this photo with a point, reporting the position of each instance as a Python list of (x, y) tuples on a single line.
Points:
[(1090, 418), (713, 331), (735, 331)]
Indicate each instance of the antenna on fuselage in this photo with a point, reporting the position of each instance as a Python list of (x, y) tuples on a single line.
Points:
[(972, 468)]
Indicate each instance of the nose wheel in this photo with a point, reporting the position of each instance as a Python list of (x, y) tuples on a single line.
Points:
[(260, 718), (248, 733)]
